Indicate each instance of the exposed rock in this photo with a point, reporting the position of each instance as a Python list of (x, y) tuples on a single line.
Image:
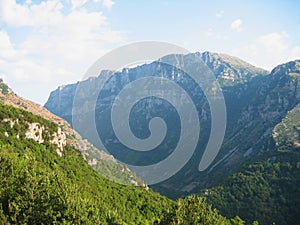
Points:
[(229, 69), (59, 139), (35, 132), (256, 101)]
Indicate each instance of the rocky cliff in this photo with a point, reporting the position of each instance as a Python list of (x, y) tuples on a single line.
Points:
[(256, 101)]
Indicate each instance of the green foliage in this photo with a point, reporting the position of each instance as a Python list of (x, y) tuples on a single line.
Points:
[(267, 190), (39, 187), (116, 172), (194, 210)]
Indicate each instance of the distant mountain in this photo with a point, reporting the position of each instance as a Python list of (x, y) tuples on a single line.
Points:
[(99, 160), (256, 101)]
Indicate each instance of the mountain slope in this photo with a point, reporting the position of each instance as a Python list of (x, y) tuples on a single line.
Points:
[(39, 186), (102, 162), (267, 187), (255, 103)]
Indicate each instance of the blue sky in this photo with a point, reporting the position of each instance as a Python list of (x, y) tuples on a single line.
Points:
[(44, 44)]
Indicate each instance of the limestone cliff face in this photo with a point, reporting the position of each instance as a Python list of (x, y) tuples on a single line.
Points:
[(230, 70), (256, 101)]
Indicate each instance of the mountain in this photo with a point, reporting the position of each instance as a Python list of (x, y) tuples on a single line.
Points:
[(230, 70), (266, 187), (257, 166), (99, 160), (239, 81), (45, 180)]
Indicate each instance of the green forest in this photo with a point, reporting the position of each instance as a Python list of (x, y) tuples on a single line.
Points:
[(39, 187), (267, 190)]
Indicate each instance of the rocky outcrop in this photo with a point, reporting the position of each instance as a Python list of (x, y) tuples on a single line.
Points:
[(35, 132), (60, 140), (287, 132)]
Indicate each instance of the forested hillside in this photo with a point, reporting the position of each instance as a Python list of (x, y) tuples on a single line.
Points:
[(40, 186), (268, 187), (267, 190)]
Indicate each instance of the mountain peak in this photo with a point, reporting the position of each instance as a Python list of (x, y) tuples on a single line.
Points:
[(290, 68), (229, 69)]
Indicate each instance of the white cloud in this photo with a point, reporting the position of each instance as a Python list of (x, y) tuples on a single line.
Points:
[(45, 13), (57, 47), (267, 51), (236, 25), (220, 14), (78, 3), (6, 47), (107, 3)]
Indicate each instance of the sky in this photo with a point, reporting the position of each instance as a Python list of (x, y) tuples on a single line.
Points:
[(45, 44)]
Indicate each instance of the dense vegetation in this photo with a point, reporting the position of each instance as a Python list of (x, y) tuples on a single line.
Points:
[(267, 190), (194, 210), (39, 187)]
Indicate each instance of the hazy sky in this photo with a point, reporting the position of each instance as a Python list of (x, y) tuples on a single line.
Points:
[(44, 44)]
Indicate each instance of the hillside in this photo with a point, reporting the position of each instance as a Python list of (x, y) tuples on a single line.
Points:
[(267, 187), (39, 185), (102, 162)]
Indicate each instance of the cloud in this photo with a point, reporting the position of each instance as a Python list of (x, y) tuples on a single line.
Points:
[(78, 3), (236, 25), (107, 3), (267, 51), (56, 48), (6, 48), (45, 13), (220, 14)]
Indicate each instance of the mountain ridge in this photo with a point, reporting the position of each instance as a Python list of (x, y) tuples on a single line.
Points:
[(255, 102)]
